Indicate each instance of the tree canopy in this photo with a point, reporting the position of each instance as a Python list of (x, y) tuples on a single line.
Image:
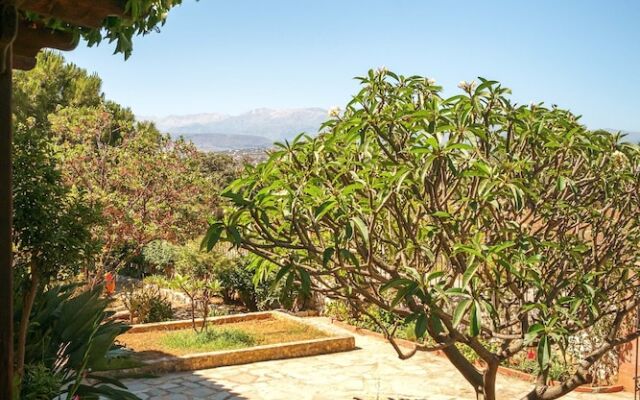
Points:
[(488, 224), (147, 185)]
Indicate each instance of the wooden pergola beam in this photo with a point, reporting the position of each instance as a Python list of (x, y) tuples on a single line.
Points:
[(23, 63), (18, 47), (8, 31), (32, 38), (89, 14)]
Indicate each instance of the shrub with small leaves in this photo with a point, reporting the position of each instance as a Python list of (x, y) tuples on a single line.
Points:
[(148, 305), (40, 383)]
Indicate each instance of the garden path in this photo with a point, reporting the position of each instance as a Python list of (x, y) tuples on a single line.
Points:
[(372, 372)]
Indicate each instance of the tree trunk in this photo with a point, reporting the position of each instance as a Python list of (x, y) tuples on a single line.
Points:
[(28, 299), (467, 369), (483, 383), (205, 311), (488, 389), (193, 314)]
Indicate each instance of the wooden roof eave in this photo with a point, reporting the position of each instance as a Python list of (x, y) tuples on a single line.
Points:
[(87, 13), (33, 37)]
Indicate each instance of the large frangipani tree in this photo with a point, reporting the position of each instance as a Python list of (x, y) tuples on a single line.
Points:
[(493, 225)]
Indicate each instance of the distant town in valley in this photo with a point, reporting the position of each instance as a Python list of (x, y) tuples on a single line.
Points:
[(243, 135)]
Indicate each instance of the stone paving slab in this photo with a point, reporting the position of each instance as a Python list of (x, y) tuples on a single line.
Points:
[(372, 372)]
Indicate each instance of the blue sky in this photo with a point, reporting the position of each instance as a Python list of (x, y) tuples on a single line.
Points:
[(235, 55)]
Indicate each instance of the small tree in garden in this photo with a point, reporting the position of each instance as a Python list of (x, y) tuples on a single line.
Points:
[(196, 276), (490, 225)]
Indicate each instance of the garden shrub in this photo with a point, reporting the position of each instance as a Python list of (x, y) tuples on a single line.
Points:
[(148, 305), (71, 333), (238, 284), (40, 383), (157, 280)]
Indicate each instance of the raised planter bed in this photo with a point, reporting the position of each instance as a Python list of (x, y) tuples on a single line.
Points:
[(514, 373), (330, 342)]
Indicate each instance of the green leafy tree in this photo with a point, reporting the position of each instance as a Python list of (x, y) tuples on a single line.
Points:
[(52, 225), (221, 167), (151, 187), (148, 186), (52, 85), (489, 225)]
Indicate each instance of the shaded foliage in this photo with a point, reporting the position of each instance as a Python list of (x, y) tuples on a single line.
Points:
[(69, 336)]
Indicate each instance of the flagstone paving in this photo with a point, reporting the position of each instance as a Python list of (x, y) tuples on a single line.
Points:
[(373, 371)]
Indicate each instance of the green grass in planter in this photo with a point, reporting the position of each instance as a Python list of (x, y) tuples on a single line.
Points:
[(209, 340)]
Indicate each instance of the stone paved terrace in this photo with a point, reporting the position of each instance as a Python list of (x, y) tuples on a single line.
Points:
[(372, 372)]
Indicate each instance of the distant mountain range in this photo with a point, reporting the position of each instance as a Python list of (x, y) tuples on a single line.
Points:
[(254, 129), (633, 137)]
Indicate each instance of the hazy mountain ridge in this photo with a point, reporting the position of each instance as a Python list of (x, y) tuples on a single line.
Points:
[(275, 124), (633, 137)]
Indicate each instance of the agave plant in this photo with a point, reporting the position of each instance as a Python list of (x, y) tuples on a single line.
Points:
[(70, 334)]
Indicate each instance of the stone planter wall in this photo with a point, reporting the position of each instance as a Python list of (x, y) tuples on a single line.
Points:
[(335, 342)]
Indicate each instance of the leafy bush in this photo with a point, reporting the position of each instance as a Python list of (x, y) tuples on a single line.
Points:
[(70, 333), (238, 285), (157, 280), (372, 319), (148, 305), (161, 254), (40, 383), (235, 276), (259, 292)]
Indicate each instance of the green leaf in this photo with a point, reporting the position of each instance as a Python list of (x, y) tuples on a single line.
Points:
[(324, 208), (234, 234), (236, 198), (533, 332), (327, 254), (544, 352), (421, 325), (347, 255), (394, 283), (283, 271), (517, 197), (404, 292), (305, 280), (476, 320), (469, 273), (459, 312), (212, 237), (436, 323), (441, 214), (362, 228)]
